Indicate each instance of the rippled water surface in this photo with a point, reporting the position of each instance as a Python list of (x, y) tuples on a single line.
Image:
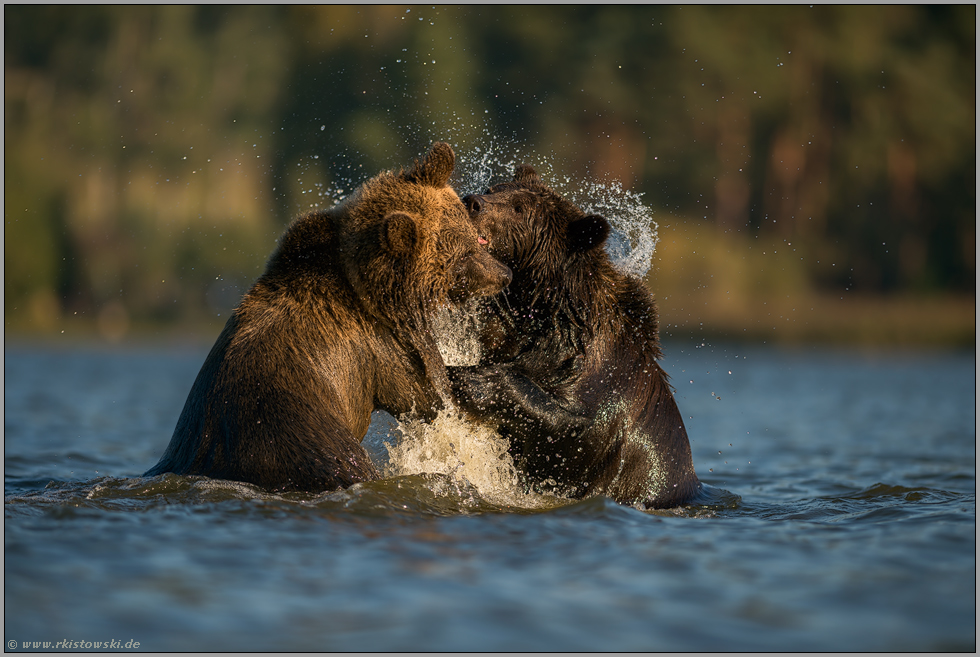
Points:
[(841, 516)]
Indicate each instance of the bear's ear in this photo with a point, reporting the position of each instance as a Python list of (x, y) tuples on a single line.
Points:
[(587, 233), (399, 233), (525, 174), (435, 168)]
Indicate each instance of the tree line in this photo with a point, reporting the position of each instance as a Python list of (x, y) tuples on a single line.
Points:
[(153, 154)]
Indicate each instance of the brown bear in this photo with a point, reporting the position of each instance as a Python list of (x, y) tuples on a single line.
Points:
[(336, 327), (569, 370)]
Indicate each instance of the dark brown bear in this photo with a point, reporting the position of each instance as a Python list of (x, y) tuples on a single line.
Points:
[(337, 326), (569, 371)]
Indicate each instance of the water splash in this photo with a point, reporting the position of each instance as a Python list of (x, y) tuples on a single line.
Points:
[(484, 158), (633, 239), (473, 456), (457, 330)]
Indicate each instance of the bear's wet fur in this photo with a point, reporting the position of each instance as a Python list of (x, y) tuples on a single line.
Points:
[(336, 327), (569, 371)]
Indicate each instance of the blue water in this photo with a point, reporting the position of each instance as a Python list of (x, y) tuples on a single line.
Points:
[(842, 516)]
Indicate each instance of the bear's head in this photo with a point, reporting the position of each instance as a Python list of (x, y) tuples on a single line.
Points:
[(410, 244), (543, 237)]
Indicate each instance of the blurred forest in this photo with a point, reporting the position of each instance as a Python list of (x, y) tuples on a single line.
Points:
[(812, 170)]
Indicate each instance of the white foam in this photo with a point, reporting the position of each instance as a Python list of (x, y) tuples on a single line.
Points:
[(469, 453)]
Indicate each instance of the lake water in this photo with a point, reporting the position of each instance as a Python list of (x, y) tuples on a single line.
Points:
[(841, 516)]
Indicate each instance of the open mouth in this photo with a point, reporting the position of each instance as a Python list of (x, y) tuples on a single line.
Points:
[(482, 240)]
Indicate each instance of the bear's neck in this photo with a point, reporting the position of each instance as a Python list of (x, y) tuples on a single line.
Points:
[(580, 293)]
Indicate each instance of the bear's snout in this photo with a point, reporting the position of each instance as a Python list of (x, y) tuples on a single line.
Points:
[(479, 276), (474, 203)]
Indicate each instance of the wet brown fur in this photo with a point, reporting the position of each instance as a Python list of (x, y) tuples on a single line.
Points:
[(569, 370), (336, 327)]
